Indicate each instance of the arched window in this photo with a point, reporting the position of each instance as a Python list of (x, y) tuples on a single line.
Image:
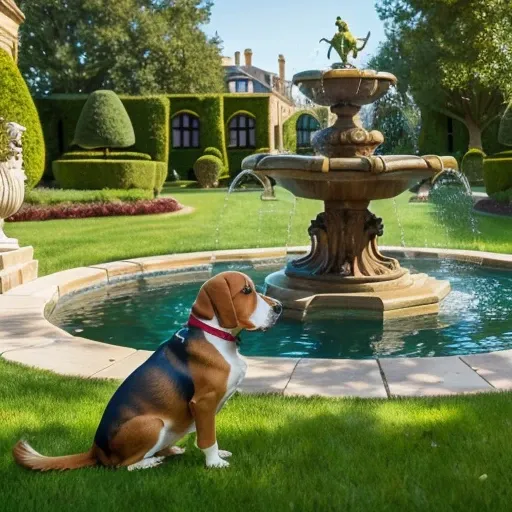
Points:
[(306, 126), (185, 131), (242, 132)]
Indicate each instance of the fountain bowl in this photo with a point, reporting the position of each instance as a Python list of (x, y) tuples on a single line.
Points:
[(356, 87)]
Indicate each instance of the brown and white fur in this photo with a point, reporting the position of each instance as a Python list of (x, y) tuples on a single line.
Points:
[(178, 390)]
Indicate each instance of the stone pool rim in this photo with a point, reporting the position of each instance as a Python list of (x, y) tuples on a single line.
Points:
[(27, 336)]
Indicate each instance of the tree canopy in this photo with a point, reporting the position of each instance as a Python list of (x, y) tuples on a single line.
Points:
[(130, 46), (455, 55)]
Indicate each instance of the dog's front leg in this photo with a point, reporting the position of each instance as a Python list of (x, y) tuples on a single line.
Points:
[(204, 408)]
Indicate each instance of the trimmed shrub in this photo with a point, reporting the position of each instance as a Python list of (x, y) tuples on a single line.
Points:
[(104, 123), (113, 155), (83, 211), (161, 172), (505, 131), (50, 196), (473, 165), (208, 169), (16, 105), (213, 151), (100, 174), (5, 152), (262, 150), (503, 197), (497, 174), (290, 131)]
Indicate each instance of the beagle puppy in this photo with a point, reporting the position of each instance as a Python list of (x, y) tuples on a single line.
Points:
[(179, 389)]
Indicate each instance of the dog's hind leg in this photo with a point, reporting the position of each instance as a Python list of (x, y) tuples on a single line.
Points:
[(138, 440)]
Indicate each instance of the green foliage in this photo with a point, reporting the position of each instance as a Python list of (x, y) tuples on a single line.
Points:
[(131, 46), (398, 118), (208, 169), (262, 150), (497, 174), (473, 165), (100, 174), (149, 117), (450, 56), (255, 105), (49, 196), (503, 197), (505, 132), (104, 123), (5, 152), (112, 155), (213, 151), (209, 108), (17, 106), (290, 130)]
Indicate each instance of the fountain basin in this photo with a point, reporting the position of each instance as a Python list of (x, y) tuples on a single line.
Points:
[(336, 86)]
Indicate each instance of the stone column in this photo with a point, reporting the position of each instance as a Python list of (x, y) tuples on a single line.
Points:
[(10, 19)]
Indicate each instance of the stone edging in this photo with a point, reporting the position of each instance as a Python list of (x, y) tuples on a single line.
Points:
[(27, 337)]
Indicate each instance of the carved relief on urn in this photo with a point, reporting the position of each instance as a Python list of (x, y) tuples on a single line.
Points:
[(12, 179)]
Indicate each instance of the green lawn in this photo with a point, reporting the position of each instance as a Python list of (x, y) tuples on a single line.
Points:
[(289, 454), (240, 221)]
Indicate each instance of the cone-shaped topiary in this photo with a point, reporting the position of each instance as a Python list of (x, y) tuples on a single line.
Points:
[(505, 133), (104, 123), (16, 105)]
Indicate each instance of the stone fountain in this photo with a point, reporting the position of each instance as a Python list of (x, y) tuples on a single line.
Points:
[(344, 270)]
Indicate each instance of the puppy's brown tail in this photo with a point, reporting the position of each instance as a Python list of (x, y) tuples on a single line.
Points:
[(27, 457)]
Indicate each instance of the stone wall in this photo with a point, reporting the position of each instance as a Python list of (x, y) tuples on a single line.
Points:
[(10, 19)]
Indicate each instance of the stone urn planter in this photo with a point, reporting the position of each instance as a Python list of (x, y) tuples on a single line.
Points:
[(12, 183)]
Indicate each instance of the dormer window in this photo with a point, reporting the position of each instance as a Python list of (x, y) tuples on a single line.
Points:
[(242, 85)]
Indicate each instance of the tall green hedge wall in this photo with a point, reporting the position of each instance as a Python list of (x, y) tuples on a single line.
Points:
[(259, 106), (290, 132), (152, 121), (149, 115), (16, 105), (209, 108)]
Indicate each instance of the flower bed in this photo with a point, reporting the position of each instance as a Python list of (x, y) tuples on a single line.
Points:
[(83, 211)]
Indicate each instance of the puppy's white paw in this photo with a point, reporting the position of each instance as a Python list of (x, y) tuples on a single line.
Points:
[(150, 462), (176, 450), (217, 462), (224, 454)]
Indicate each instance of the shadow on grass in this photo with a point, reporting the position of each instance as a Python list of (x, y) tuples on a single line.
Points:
[(289, 454)]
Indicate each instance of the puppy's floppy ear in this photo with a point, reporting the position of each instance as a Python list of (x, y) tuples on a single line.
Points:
[(203, 307), (220, 296)]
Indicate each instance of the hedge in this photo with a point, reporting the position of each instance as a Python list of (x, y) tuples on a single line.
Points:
[(104, 123), (473, 165), (258, 106), (497, 174), (52, 196), (100, 174), (209, 108), (213, 152), (149, 116), (290, 132), (16, 105), (208, 169), (112, 155)]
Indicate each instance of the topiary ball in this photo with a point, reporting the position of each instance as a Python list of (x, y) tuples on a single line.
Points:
[(473, 165), (213, 151), (505, 133), (207, 169), (16, 105), (104, 123)]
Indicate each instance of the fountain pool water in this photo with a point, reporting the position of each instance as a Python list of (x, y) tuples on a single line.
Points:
[(476, 317)]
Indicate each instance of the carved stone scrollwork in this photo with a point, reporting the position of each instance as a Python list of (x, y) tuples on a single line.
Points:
[(344, 244)]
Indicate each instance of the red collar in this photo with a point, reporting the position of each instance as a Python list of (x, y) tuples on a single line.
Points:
[(195, 322)]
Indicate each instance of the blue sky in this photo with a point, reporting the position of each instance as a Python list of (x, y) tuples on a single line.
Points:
[(293, 28)]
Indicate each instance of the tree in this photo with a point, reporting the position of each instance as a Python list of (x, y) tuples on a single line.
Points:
[(130, 46), (456, 56), (104, 123)]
